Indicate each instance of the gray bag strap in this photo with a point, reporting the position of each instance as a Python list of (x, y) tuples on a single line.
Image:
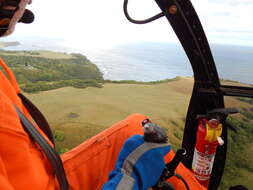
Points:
[(49, 151)]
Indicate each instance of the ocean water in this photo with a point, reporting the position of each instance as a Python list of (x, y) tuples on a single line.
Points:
[(142, 62), (234, 62), (158, 61)]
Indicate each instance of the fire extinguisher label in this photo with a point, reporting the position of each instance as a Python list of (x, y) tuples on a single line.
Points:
[(202, 165)]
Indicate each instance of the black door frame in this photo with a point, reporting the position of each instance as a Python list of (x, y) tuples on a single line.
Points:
[(207, 93)]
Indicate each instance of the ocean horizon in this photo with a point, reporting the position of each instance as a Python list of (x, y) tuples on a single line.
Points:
[(159, 61)]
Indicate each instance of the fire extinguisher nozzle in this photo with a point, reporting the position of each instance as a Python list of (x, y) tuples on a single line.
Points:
[(220, 141)]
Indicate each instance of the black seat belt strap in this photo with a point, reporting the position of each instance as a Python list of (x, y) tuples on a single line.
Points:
[(37, 116), (49, 151)]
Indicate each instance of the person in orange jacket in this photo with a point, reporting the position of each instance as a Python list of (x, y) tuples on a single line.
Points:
[(24, 163)]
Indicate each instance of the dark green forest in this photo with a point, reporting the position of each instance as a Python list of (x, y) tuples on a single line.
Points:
[(35, 73)]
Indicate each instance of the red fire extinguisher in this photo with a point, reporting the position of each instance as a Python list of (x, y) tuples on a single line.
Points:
[(207, 140)]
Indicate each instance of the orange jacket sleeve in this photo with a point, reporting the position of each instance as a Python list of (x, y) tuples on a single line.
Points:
[(4, 182)]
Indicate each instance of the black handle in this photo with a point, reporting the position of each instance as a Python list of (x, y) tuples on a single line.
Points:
[(225, 111), (171, 166), (218, 112)]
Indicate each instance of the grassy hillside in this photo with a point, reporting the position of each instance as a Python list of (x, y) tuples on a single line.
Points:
[(85, 112), (239, 165)]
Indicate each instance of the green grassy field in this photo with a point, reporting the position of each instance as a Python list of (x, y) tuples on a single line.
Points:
[(78, 114), (41, 53), (84, 112)]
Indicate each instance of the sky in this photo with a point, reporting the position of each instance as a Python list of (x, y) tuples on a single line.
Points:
[(94, 24)]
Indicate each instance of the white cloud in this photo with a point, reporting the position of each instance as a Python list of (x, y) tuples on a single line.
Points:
[(227, 20), (102, 23)]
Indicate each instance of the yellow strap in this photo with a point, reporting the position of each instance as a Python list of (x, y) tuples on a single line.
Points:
[(213, 133)]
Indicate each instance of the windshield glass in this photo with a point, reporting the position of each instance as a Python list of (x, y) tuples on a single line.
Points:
[(230, 33), (86, 67)]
